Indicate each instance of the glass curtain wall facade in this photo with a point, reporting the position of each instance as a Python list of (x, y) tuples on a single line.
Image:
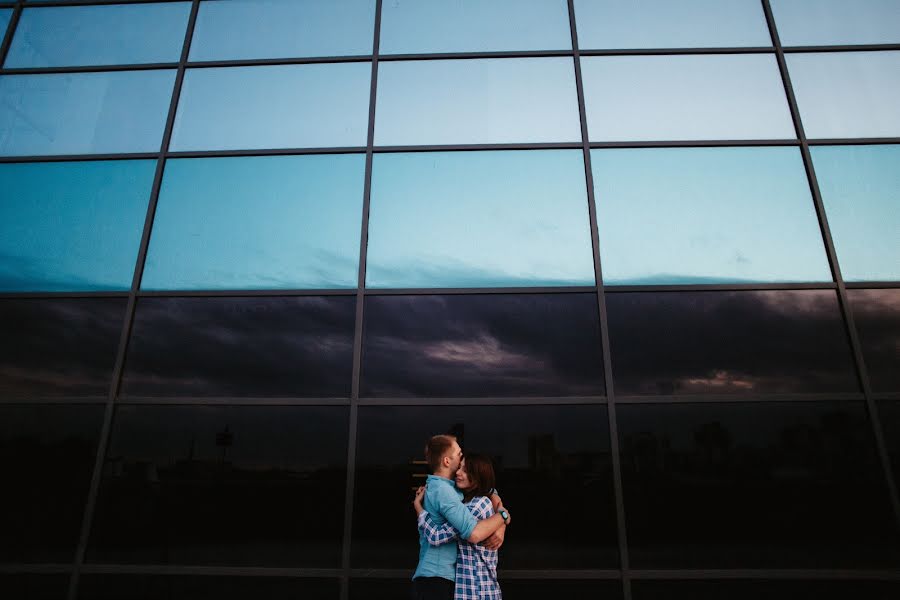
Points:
[(645, 255)]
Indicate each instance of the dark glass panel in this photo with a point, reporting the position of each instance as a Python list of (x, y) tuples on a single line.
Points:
[(223, 485), (488, 345), (729, 343), (876, 314), (48, 454), (552, 462), (754, 485), (58, 347), (513, 589), (150, 587), (241, 347), (889, 416), (28, 586), (770, 590)]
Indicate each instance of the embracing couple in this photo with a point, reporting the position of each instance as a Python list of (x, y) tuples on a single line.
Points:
[(461, 523)]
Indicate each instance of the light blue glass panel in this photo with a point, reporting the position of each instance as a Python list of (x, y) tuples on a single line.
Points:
[(72, 226), (5, 15), (502, 100), (99, 35), (479, 219), (837, 22), (84, 113), (248, 29), (271, 222), (667, 24), (706, 215), (690, 97), (285, 106), (847, 94), (860, 188), (422, 26)]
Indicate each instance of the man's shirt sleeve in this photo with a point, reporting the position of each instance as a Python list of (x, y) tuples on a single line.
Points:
[(456, 513)]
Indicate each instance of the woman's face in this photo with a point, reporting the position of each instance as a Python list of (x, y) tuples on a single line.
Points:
[(462, 478)]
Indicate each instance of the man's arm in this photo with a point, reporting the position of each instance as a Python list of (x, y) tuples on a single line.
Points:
[(465, 523)]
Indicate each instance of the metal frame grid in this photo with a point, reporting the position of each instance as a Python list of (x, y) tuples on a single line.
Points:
[(625, 573)]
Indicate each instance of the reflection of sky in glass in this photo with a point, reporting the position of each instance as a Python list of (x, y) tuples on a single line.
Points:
[(84, 113), (98, 35), (667, 24), (5, 14), (292, 28), (72, 226), (837, 22), (257, 222), (479, 219), (685, 98), (477, 101), (860, 187), (284, 106), (847, 94), (705, 215), (419, 26)]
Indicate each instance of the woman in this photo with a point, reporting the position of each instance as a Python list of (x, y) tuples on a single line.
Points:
[(476, 566)]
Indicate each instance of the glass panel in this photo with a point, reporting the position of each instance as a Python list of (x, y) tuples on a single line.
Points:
[(422, 26), (299, 346), (729, 343), (706, 215), (889, 416), (48, 454), (223, 485), (860, 188), (479, 219), (283, 106), (667, 24), (749, 589), (503, 100), (530, 589), (876, 314), (99, 35), (84, 113), (836, 22), (490, 345), (28, 586), (552, 449), (72, 226), (275, 222), (754, 485), (250, 29), (58, 347), (5, 16), (181, 587), (713, 97), (847, 94)]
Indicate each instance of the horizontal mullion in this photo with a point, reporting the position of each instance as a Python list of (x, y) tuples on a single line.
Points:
[(242, 293), (694, 143), (231, 401), (300, 572), (80, 157), (88, 69), (486, 401), (53, 400), (266, 152), (478, 147), (38, 569), (787, 574), (90, 2), (51, 295), (841, 48), (718, 287), (887, 396), (672, 51), (853, 141), (575, 289), (742, 398), (270, 62), (867, 285), (475, 55)]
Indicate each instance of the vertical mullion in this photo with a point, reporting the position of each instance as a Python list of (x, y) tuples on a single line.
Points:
[(360, 305), (601, 304), (129, 311), (835, 266)]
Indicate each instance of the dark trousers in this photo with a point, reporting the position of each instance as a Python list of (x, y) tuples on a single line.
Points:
[(432, 588)]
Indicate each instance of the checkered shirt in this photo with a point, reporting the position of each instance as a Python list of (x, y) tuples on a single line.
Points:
[(476, 566)]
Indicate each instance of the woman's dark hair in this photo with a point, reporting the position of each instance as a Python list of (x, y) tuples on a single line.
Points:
[(480, 469)]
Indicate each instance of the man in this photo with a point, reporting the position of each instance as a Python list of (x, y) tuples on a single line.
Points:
[(435, 575)]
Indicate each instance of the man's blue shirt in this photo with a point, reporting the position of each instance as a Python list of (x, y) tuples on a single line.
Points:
[(444, 503)]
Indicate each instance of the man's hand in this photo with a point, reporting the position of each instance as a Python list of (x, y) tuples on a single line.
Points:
[(496, 540)]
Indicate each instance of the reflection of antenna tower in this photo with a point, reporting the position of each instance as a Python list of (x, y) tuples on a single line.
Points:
[(542, 453)]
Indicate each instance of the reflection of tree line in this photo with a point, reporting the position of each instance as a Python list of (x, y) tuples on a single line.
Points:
[(831, 447)]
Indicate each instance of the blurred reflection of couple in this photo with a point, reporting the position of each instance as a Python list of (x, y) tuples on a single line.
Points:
[(462, 524)]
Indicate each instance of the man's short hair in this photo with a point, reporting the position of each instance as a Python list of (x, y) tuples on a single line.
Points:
[(436, 448)]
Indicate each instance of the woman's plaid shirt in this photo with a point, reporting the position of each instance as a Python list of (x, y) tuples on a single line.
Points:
[(476, 566)]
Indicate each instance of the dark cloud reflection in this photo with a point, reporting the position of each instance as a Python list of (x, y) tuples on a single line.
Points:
[(241, 347), (482, 345), (877, 317), (729, 342)]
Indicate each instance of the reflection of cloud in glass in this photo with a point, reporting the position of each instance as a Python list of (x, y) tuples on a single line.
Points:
[(706, 215), (241, 347), (491, 345), (877, 317), (58, 347), (479, 219), (729, 342)]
